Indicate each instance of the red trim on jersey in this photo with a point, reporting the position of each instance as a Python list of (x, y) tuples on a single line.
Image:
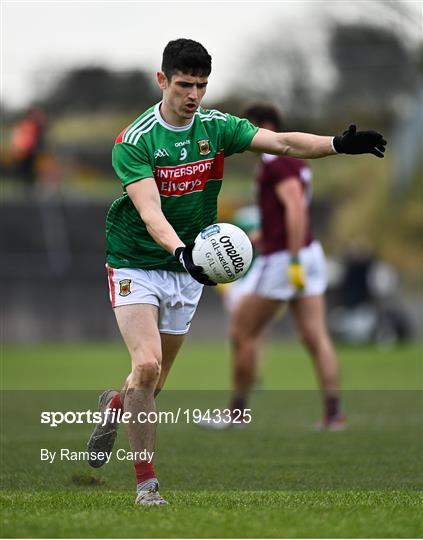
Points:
[(189, 177), (112, 289), (119, 138)]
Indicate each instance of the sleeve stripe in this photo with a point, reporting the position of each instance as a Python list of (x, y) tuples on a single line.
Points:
[(138, 125), (213, 113), (217, 115), (213, 118), (133, 139), (146, 130)]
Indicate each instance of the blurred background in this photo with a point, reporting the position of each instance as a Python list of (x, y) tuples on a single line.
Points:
[(75, 74)]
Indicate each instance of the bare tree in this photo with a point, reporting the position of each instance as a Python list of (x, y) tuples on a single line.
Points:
[(374, 70)]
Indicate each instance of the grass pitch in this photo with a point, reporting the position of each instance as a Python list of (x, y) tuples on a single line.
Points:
[(277, 478)]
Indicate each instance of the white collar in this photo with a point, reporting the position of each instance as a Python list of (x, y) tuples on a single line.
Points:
[(161, 120)]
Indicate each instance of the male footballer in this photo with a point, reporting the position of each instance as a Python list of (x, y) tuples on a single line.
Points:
[(289, 271), (170, 162)]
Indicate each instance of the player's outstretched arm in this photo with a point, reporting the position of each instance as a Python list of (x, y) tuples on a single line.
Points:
[(308, 146)]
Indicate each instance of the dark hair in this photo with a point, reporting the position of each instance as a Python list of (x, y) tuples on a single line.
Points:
[(187, 56), (258, 113)]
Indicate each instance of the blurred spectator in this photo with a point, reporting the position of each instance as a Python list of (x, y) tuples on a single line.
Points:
[(28, 140), (358, 265), (370, 308)]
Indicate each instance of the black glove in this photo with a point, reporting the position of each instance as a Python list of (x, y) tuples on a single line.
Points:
[(359, 142), (184, 256)]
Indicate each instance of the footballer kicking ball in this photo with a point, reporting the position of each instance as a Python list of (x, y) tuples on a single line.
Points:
[(224, 251)]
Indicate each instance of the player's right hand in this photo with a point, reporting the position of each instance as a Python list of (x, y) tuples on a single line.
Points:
[(184, 256), (296, 274)]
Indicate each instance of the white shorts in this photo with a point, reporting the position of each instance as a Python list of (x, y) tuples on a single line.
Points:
[(176, 294), (268, 276)]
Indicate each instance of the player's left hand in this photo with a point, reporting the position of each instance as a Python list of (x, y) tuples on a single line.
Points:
[(360, 142), (296, 274)]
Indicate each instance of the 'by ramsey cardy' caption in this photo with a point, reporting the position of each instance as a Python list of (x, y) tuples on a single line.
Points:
[(66, 454)]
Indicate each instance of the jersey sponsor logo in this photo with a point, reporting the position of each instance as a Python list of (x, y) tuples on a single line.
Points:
[(204, 147), (182, 179), (182, 143), (125, 287), (161, 152)]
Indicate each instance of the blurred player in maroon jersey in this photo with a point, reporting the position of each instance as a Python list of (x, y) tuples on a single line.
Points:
[(289, 270)]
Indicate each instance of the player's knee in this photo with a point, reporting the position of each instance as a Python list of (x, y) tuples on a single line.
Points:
[(145, 374), (309, 337), (237, 334)]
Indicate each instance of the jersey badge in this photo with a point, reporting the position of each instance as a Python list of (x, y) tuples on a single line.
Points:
[(204, 147), (161, 152), (125, 287)]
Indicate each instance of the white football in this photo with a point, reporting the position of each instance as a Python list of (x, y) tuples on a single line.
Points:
[(224, 251)]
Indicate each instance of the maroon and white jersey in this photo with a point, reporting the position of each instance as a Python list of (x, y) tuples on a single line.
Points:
[(272, 171)]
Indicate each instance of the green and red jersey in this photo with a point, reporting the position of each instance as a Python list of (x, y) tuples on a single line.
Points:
[(187, 164)]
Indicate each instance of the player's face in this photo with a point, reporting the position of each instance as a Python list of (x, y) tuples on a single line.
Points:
[(182, 96)]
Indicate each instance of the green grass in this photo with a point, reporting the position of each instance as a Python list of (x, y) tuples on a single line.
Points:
[(204, 366), (215, 514), (278, 478)]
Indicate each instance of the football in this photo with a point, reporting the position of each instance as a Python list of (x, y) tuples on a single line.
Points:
[(224, 251)]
